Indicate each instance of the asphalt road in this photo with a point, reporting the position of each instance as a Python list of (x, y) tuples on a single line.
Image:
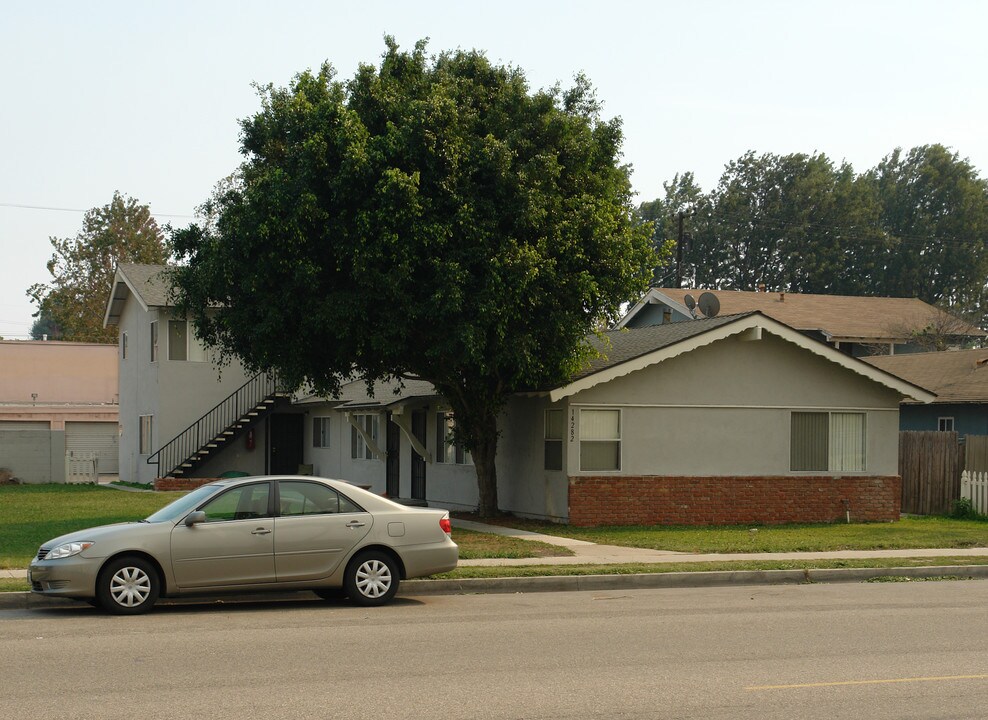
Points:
[(897, 650)]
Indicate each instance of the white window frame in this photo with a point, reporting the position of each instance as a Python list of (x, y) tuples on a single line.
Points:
[(321, 432), (831, 468), (123, 346), (556, 442), (154, 341), (145, 435), (371, 424), (194, 350), (618, 440), (942, 423), (447, 452)]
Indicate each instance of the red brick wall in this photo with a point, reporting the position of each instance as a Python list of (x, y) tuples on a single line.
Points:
[(180, 483), (655, 500)]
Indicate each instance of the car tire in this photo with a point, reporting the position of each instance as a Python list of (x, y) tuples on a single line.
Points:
[(128, 586), (371, 578)]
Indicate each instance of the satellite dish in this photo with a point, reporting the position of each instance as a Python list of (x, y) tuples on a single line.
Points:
[(690, 302), (709, 304)]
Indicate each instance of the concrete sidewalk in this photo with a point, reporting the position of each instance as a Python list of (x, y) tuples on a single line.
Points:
[(588, 553)]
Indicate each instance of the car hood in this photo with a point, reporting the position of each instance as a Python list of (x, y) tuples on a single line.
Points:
[(95, 534)]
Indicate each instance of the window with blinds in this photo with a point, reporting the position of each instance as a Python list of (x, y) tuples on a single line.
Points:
[(827, 442), (600, 440)]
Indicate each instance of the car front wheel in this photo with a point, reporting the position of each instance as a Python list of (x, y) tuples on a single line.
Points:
[(371, 579), (128, 586)]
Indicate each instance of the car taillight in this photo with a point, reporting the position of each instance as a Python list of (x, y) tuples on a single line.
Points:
[(446, 526)]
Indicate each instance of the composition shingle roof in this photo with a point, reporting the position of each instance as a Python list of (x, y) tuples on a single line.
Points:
[(619, 346), (956, 376), (149, 281), (839, 316)]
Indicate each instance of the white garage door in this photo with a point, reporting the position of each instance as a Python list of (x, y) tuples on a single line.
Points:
[(95, 437)]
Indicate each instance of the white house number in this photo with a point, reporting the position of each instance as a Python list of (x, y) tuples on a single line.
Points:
[(572, 425)]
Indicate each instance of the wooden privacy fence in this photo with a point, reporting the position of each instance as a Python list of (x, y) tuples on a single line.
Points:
[(974, 487), (930, 464)]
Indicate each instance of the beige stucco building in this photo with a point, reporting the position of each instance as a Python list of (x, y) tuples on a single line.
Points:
[(57, 399)]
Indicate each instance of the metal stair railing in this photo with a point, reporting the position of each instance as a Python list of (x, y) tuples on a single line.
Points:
[(216, 425)]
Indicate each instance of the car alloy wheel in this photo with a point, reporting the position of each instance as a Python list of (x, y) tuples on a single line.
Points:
[(128, 586), (371, 579)]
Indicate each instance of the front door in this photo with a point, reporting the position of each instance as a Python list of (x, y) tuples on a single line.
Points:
[(393, 467), (286, 444), (235, 546), (418, 462)]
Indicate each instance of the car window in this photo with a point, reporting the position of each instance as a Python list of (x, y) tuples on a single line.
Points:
[(240, 503), (308, 498)]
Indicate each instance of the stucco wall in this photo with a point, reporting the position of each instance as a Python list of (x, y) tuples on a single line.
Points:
[(726, 410), (58, 372)]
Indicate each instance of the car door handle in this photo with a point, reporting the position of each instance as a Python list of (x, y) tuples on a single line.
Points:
[(355, 524), (260, 531)]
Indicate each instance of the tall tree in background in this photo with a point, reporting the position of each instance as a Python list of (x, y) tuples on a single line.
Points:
[(914, 226), (82, 267), (934, 208), (429, 218), (44, 327)]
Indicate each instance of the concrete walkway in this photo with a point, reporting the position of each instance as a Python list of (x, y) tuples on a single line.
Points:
[(588, 553)]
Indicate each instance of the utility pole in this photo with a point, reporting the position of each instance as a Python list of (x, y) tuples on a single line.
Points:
[(679, 252)]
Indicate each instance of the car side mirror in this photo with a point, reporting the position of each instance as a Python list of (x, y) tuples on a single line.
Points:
[(195, 517)]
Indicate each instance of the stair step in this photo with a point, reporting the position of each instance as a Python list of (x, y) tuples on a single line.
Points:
[(186, 465), (228, 432), (212, 445)]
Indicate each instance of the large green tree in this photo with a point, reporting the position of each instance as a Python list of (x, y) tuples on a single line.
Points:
[(934, 208), (82, 267), (431, 217)]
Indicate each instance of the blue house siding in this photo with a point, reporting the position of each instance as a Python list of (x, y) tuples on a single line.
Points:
[(969, 418)]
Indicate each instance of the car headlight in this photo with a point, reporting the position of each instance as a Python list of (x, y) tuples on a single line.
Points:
[(67, 550)]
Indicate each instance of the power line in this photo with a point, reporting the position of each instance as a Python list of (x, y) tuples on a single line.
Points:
[(77, 210)]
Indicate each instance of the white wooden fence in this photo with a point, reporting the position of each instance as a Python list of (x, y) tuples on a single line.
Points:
[(974, 487), (81, 467)]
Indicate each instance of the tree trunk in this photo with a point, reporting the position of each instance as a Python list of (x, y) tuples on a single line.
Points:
[(484, 456)]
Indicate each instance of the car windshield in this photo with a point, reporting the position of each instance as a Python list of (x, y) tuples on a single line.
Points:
[(181, 507)]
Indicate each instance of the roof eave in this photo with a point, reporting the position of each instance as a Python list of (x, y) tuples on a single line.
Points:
[(754, 320)]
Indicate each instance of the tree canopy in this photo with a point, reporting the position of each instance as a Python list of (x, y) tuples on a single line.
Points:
[(914, 226), (82, 268), (431, 217)]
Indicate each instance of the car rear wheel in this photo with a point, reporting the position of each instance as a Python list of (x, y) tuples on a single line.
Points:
[(128, 586), (371, 579)]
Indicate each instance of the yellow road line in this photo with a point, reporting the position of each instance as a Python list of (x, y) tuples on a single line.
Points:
[(868, 682)]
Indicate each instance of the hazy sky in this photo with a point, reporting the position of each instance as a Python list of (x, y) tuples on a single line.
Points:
[(144, 97)]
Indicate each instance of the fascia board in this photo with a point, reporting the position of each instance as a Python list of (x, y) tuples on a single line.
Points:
[(652, 297), (756, 320), (120, 279)]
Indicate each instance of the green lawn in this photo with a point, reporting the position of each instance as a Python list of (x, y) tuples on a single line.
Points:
[(908, 533), (32, 514)]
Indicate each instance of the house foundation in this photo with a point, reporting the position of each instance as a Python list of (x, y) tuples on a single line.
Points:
[(660, 500)]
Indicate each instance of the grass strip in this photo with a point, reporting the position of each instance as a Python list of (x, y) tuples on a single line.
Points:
[(733, 565)]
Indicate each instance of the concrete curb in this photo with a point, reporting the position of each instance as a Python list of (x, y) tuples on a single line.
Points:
[(566, 583)]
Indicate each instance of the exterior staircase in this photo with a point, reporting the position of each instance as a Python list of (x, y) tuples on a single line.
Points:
[(231, 418)]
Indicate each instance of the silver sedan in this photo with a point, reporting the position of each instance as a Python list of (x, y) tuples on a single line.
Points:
[(251, 534)]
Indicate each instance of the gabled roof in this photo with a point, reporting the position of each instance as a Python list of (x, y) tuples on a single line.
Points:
[(632, 349), (956, 376), (838, 317), (147, 283)]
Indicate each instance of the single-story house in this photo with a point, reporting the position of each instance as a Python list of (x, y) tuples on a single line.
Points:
[(858, 326), (960, 380)]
